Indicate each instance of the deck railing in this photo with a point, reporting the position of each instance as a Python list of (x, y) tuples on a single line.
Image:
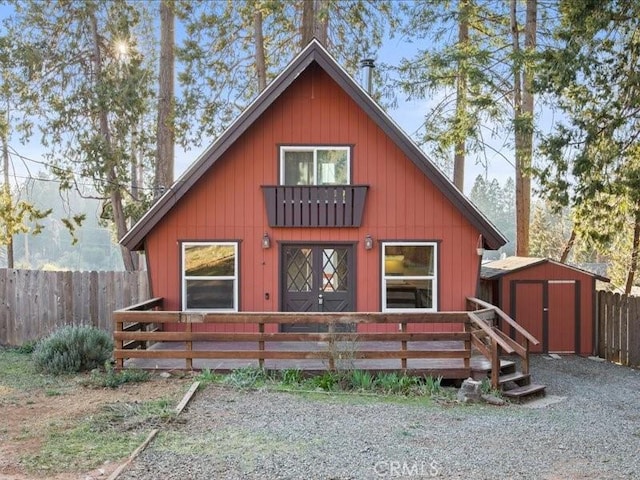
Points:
[(336, 347), (479, 328), (486, 328)]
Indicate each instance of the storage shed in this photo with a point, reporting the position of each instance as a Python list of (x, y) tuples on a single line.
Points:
[(553, 301)]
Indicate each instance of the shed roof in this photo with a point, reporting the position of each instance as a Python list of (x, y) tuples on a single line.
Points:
[(314, 53), (499, 268)]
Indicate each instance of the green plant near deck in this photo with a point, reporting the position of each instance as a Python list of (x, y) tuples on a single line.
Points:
[(431, 386), (328, 381), (246, 377), (207, 376), (394, 383), (72, 350), (291, 376), (360, 380), (112, 379)]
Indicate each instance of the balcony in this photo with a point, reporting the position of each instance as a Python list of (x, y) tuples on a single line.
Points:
[(315, 206)]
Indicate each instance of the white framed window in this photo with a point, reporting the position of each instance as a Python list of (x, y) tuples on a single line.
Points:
[(409, 278), (315, 165), (210, 276)]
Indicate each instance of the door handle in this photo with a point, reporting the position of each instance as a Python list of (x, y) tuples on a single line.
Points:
[(320, 299)]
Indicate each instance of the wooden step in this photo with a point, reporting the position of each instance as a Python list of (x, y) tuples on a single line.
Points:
[(525, 391), (516, 377), (481, 364)]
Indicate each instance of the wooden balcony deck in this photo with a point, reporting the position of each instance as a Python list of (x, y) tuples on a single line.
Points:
[(445, 350)]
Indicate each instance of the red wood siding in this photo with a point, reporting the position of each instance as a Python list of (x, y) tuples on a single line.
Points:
[(561, 303), (227, 203)]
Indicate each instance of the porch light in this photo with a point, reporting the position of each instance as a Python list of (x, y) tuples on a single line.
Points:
[(368, 242), (479, 246), (266, 241)]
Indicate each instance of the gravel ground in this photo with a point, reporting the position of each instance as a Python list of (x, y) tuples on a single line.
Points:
[(588, 427)]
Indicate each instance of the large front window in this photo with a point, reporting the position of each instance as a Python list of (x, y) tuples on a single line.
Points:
[(210, 276), (314, 166), (409, 279)]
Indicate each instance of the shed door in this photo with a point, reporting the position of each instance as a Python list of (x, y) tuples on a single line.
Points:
[(549, 310), (317, 278), (529, 309)]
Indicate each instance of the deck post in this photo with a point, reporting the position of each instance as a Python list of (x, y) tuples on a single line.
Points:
[(333, 349), (261, 345), (119, 344), (495, 364), (189, 343), (403, 329), (525, 360), (467, 346)]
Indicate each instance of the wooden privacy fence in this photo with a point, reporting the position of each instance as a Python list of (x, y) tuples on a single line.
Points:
[(34, 303), (618, 328)]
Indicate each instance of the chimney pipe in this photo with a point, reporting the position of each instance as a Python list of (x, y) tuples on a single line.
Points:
[(369, 64)]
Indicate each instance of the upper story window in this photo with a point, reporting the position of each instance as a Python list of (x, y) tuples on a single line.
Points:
[(315, 165)]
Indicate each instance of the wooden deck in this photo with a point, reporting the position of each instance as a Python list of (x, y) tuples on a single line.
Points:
[(455, 345), (452, 368)]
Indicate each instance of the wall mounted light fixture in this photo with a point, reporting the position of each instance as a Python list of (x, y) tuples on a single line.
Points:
[(480, 246), (266, 241), (368, 242)]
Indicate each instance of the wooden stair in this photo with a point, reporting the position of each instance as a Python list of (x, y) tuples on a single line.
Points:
[(517, 386)]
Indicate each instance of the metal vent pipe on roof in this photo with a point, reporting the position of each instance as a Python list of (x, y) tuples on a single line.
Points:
[(369, 64)]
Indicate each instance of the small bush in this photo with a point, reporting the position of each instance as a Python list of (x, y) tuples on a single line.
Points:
[(208, 376), (72, 350), (328, 381), (26, 348)]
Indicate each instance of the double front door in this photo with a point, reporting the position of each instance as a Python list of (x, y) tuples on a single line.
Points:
[(317, 278)]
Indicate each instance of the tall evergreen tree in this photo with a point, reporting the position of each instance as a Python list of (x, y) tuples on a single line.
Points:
[(87, 99), (593, 156)]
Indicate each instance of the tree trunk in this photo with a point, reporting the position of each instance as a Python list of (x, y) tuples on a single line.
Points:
[(5, 169), (115, 195), (165, 131), (568, 247), (261, 68), (321, 19), (634, 254), (461, 96), (523, 121), (308, 22)]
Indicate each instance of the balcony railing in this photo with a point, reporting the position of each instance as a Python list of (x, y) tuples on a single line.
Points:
[(315, 206)]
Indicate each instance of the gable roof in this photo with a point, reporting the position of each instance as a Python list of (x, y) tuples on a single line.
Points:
[(499, 268), (313, 53)]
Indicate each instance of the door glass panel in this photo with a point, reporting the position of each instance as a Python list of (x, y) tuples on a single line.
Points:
[(299, 262), (298, 168), (335, 269)]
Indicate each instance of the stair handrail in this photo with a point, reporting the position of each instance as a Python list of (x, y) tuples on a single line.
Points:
[(478, 322), (511, 322)]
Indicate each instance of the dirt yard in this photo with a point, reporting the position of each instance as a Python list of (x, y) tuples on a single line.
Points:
[(32, 414)]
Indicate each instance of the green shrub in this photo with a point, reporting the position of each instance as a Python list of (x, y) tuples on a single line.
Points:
[(291, 376), (246, 377), (328, 381), (73, 349), (361, 380)]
